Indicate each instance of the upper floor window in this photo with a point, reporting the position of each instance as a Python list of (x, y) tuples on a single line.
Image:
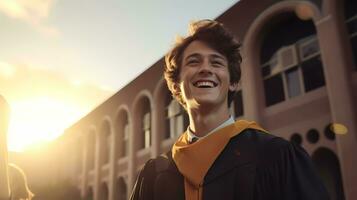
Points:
[(125, 143), (147, 129), (122, 129), (90, 148), (105, 142), (290, 57), (144, 111), (177, 119), (121, 189), (79, 155), (292, 71), (168, 99)]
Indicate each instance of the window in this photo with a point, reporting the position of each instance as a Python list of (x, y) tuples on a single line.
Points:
[(293, 83), (313, 74), (167, 123), (168, 99), (147, 129), (121, 189), (105, 141), (292, 71), (176, 118), (107, 148), (125, 147), (144, 130), (89, 194), (122, 131), (296, 138), (274, 90), (313, 136), (78, 159), (91, 149)]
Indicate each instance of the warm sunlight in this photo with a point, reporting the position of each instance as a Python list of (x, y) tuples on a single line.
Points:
[(43, 103), (39, 119)]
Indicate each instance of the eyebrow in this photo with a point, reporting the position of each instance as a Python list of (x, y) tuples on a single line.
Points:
[(219, 56), (195, 55)]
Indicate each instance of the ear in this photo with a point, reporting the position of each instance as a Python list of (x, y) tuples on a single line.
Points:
[(176, 88), (234, 87)]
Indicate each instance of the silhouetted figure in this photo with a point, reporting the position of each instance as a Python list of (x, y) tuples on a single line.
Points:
[(18, 184), (13, 182)]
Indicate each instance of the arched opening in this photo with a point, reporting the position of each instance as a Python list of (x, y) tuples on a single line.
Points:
[(351, 23), (91, 149), (105, 137), (89, 194), (144, 113), (328, 167), (171, 117), (121, 189), (122, 128), (290, 58), (168, 99), (176, 118), (79, 155), (103, 192)]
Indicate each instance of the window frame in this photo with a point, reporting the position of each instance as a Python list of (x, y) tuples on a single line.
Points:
[(297, 49)]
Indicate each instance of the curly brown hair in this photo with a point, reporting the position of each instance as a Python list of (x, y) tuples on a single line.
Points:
[(216, 36)]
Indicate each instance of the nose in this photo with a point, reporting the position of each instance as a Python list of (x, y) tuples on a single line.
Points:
[(205, 67)]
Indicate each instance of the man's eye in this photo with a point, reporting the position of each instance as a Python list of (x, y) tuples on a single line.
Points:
[(191, 62), (217, 63)]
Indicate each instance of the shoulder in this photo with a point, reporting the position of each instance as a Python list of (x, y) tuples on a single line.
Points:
[(270, 149), (160, 164), (264, 146), (255, 138)]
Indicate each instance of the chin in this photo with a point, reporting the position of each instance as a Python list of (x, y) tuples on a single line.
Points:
[(208, 102)]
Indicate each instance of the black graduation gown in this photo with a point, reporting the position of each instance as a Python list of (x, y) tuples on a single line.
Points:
[(253, 166)]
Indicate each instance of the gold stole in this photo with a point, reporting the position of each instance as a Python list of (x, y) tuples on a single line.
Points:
[(194, 160)]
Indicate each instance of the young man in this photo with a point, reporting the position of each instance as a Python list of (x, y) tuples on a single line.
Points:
[(218, 158)]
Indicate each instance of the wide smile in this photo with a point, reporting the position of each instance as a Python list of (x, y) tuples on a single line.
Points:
[(205, 84)]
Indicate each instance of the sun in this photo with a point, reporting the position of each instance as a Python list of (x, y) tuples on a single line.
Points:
[(39, 120)]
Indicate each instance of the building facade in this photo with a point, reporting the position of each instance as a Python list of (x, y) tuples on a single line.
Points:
[(299, 78)]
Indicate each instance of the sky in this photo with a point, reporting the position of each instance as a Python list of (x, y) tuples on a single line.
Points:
[(59, 59)]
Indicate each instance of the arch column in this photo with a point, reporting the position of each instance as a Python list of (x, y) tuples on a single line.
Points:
[(158, 116), (85, 159), (112, 164), (333, 41), (252, 82), (97, 167), (132, 155), (155, 136)]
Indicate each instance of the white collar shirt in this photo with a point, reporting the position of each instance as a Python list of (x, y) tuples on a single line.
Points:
[(191, 135)]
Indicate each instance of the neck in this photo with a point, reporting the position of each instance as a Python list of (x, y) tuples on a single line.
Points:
[(202, 121)]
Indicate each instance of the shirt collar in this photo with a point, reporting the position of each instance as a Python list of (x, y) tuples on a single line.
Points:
[(191, 135)]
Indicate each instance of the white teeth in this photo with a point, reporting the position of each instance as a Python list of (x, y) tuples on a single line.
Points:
[(204, 84)]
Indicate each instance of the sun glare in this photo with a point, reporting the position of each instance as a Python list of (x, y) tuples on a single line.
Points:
[(39, 120)]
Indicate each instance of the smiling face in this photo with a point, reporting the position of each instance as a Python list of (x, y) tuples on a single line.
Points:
[(204, 77)]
